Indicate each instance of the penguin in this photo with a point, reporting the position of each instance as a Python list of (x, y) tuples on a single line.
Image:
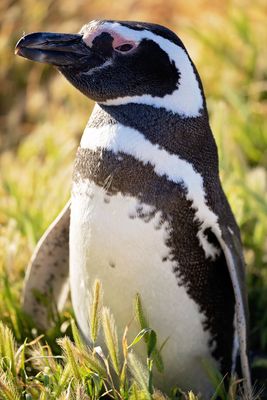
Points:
[(147, 213)]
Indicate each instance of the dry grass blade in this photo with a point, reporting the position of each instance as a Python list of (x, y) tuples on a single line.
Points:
[(79, 361), (92, 362), (111, 338), (76, 336), (8, 348), (8, 390), (71, 353), (192, 396), (64, 378), (42, 357), (157, 395), (139, 373), (95, 309), (81, 394), (64, 396)]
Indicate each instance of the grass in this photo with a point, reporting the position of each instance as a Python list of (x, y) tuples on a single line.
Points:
[(66, 368), (42, 118)]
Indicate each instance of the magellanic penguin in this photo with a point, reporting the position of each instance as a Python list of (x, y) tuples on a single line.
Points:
[(148, 213)]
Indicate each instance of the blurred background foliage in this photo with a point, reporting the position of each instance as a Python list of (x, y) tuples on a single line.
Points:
[(42, 118)]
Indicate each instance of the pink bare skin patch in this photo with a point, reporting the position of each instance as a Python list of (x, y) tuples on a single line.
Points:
[(118, 40)]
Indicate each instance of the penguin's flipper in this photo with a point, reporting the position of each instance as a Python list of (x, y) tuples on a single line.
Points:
[(46, 282), (232, 248)]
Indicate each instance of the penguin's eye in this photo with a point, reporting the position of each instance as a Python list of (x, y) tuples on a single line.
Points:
[(124, 47)]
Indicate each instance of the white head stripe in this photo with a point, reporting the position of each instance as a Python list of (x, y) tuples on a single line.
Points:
[(187, 99)]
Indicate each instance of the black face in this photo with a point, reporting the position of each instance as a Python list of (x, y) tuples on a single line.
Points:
[(103, 70)]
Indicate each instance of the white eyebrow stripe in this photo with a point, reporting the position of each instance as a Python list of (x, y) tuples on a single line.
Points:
[(187, 99)]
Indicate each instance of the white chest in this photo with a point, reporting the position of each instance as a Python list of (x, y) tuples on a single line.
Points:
[(110, 241)]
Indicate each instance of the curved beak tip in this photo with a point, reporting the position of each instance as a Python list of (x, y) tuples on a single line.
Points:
[(21, 45), (17, 51), (18, 46)]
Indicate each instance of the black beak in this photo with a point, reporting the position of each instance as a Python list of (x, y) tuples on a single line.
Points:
[(58, 49)]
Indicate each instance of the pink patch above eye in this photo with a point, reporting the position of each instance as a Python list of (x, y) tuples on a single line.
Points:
[(118, 40)]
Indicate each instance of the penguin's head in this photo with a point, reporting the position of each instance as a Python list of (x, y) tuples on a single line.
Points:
[(117, 63)]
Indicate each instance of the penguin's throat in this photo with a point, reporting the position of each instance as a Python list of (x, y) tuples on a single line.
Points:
[(189, 138)]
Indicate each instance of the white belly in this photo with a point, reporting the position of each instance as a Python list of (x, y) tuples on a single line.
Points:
[(109, 242)]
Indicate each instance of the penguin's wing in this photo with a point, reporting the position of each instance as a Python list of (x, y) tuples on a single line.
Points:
[(231, 246), (46, 282)]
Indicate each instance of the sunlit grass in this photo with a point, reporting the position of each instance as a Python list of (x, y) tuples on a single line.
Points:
[(36, 370)]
